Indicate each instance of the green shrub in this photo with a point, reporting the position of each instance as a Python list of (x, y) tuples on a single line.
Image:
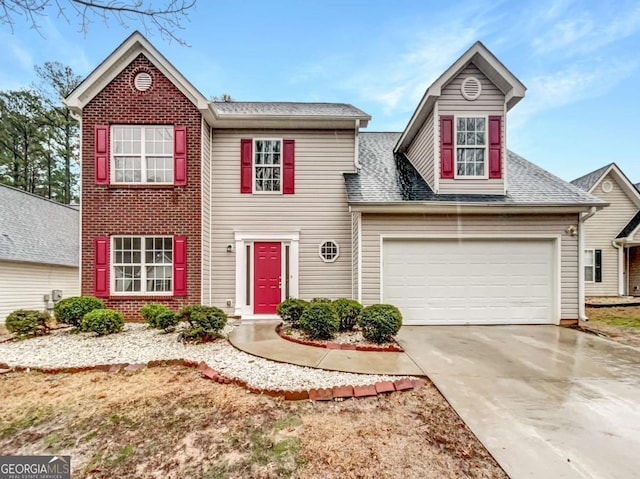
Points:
[(205, 322), (150, 312), (291, 310), (103, 321), (380, 322), (72, 310), (348, 311), (26, 322), (321, 300), (166, 320), (320, 321)]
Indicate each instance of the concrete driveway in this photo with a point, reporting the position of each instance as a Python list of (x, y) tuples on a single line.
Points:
[(548, 402)]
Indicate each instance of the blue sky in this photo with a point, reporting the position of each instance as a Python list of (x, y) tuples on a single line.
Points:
[(579, 60)]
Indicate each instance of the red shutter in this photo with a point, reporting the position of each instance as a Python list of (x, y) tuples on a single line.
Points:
[(101, 266), (179, 265), (101, 147), (246, 165), (446, 146), (495, 147), (288, 163), (179, 155)]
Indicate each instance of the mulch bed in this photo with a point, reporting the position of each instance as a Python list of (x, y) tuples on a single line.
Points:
[(343, 341)]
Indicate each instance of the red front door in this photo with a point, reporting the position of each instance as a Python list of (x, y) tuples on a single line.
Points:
[(267, 277)]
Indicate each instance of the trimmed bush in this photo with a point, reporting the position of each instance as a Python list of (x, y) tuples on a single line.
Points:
[(103, 322), (150, 312), (321, 300), (166, 320), (320, 321), (348, 311), (205, 322), (380, 322), (26, 322), (72, 310), (291, 310)]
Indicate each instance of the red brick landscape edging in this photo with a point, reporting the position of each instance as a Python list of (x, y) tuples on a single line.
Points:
[(345, 346), (314, 394)]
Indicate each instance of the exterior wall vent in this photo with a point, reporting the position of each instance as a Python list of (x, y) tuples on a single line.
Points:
[(142, 81), (607, 186), (471, 88)]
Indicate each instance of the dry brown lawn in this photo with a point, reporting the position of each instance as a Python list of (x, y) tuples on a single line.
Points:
[(619, 323), (167, 422)]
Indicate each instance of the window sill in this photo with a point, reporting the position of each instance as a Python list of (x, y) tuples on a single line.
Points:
[(146, 297), (143, 186)]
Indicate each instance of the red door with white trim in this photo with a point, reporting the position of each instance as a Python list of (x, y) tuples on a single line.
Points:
[(267, 277)]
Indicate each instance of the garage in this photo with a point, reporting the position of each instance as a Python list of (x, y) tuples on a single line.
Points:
[(472, 280)]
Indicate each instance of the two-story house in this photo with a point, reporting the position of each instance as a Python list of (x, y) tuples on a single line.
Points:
[(243, 204)]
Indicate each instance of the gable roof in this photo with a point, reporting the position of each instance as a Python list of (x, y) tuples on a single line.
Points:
[(631, 227), (589, 181), (487, 63), (387, 178), (119, 59), (36, 230)]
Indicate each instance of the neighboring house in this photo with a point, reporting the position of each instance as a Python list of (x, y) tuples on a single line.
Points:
[(39, 245), (243, 204), (612, 241)]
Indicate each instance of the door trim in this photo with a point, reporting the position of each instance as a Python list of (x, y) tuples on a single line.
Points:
[(557, 265), (244, 305)]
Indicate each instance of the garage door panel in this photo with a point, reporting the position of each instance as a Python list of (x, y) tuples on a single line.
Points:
[(477, 281)]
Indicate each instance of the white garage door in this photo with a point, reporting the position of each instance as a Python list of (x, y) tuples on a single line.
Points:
[(475, 281)]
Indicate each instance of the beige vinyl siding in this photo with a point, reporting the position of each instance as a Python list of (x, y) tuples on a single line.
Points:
[(421, 152), (355, 258), (602, 228), (23, 285), (206, 216), (374, 225), (490, 102), (318, 210), (634, 271)]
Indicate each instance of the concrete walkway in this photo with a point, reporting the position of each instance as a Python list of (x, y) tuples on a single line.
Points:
[(261, 339), (547, 402)]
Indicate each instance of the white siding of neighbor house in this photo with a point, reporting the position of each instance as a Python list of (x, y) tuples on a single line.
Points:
[(206, 216), (375, 225), (23, 285), (601, 229), (490, 102), (634, 271), (318, 209), (421, 151)]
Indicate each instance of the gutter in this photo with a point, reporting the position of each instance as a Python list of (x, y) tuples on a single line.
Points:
[(581, 294)]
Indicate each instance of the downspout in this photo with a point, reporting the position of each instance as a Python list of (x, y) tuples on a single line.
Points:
[(620, 249), (356, 157), (581, 296)]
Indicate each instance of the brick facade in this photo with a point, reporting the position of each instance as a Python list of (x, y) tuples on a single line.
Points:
[(109, 210)]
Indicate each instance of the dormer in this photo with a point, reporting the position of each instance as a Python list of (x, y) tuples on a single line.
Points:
[(456, 138)]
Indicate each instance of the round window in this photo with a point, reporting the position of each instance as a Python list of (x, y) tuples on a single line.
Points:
[(329, 251), (142, 81), (607, 186)]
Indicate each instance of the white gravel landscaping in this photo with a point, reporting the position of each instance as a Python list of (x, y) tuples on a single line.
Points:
[(138, 343)]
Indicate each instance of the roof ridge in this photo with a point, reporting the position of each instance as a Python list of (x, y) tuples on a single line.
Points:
[(71, 207)]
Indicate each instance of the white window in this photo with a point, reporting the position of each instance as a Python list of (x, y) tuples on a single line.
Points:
[(471, 147), (267, 166), (589, 265), (329, 251), (142, 264), (142, 154)]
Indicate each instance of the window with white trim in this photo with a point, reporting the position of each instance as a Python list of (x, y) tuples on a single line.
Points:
[(589, 265), (329, 251), (142, 264), (267, 166), (142, 154), (471, 147)]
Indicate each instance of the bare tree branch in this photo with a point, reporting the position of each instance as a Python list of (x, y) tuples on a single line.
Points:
[(164, 16)]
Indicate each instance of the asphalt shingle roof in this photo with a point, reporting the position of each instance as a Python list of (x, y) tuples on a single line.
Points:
[(288, 109), (385, 178), (36, 230), (632, 225), (587, 181)]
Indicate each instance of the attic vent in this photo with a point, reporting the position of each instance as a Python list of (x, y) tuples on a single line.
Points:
[(607, 186), (142, 81), (471, 88)]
